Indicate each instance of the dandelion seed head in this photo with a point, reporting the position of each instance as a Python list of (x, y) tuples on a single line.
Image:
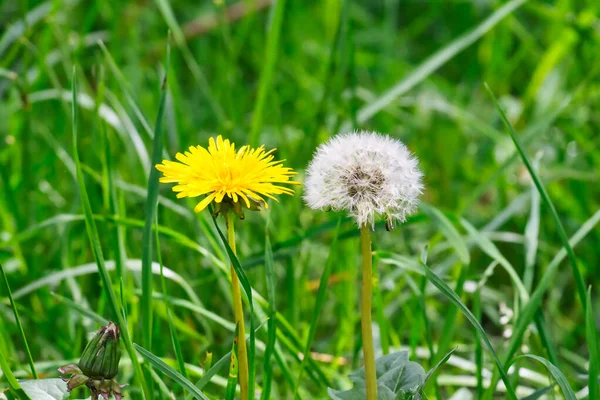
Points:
[(368, 174)]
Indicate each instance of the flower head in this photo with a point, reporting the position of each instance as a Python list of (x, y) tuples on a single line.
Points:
[(368, 174), (227, 176)]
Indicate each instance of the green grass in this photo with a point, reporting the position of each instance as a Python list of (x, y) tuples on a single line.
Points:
[(509, 216)]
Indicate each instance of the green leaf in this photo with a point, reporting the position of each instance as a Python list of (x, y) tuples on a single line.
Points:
[(529, 310), (268, 70), (18, 321), (12, 381), (150, 211), (579, 283), (271, 323), (94, 239), (171, 373), (454, 298), (591, 334), (435, 61), (320, 301), (45, 389), (449, 231), (491, 250), (556, 373), (396, 377), (538, 393)]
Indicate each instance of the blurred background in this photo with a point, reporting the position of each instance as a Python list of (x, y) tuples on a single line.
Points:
[(290, 74)]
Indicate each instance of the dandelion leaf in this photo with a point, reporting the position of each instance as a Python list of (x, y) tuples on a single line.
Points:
[(397, 379)]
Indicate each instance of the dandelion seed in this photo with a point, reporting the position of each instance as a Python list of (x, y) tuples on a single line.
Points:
[(227, 177), (368, 174)]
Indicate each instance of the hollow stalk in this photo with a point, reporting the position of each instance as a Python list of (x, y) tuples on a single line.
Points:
[(238, 312), (365, 312)]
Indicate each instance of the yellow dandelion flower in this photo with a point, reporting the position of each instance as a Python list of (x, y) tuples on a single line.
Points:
[(226, 175)]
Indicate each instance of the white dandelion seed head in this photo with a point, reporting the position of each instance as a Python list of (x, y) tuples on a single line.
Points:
[(368, 174)]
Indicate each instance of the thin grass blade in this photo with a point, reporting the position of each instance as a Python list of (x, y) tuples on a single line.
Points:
[(171, 373), (150, 212), (268, 70), (592, 342), (94, 238), (319, 302), (435, 61), (579, 283), (272, 323), (174, 336), (556, 373), (12, 381), (449, 231), (19, 324), (528, 311)]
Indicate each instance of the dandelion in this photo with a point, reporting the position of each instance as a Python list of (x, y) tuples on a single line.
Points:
[(371, 176), (232, 180), (367, 174), (227, 177)]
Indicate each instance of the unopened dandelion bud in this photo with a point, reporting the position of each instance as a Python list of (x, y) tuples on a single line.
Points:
[(101, 356), (98, 366)]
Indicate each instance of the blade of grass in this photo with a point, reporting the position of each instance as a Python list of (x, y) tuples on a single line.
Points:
[(449, 231), (174, 337), (560, 378), (17, 29), (97, 249), (532, 230), (447, 334), (579, 283), (435, 61), (382, 322), (171, 373), (592, 342), (453, 297), (319, 302), (268, 69), (150, 211), (478, 348), (12, 381), (272, 323), (80, 309), (188, 57), (232, 378), (423, 269), (491, 250), (528, 311), (19, 324)]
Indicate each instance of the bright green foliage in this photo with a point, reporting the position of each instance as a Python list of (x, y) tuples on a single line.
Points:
[(508, 182)]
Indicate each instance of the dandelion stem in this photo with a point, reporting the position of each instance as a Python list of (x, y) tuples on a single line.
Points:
[(365, 310), (238, 312)]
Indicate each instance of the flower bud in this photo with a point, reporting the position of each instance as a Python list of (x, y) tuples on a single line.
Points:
[(100, 358), (98, 365)]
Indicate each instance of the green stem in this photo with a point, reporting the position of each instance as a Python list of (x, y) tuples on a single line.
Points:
[(365, 312), (238, 312)]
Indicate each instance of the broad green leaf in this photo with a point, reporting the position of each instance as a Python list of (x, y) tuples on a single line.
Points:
[(45, 389), (397, 377)]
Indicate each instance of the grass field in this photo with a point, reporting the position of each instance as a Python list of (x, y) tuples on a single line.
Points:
[(80, 244)]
